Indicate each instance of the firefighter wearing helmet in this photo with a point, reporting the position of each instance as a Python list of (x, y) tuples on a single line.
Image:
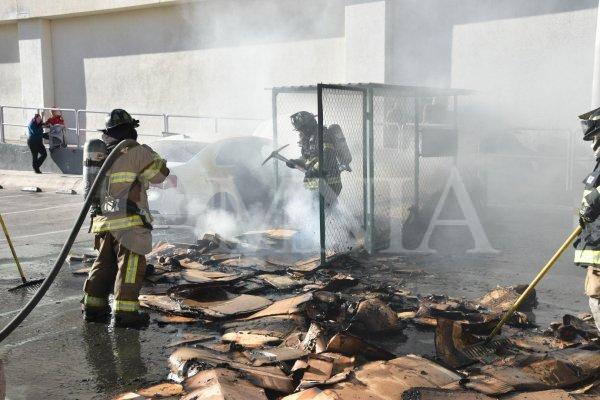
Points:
[(336, 155), (587, 245), (122, 225)]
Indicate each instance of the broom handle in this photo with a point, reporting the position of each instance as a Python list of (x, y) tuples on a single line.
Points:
[(12, 250), (535, 281)]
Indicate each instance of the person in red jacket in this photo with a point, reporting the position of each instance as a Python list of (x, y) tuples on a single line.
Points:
[(55, 119)]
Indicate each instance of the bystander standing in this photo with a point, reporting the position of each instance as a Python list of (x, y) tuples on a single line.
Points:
[(35, 141)]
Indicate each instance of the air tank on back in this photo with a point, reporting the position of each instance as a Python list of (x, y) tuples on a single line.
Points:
[(94, 154)]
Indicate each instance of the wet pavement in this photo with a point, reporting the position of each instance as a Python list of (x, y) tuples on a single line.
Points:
[(54, 355)]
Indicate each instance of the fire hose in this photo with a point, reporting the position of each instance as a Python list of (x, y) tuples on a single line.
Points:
[(33, 302)]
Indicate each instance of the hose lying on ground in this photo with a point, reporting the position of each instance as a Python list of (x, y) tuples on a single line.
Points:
[(16, 321)]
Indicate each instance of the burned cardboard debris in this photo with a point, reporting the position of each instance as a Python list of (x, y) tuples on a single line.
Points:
[(167, 389), (282, 282), (351, 345), (554, 370), (381, 380), (291, 305), (175, 319), (163, 303), (82, 271), (252, 263), (186, 362), (274, 355), (325, 369), (313, 340), (503, 297), (375, 317), (250, 339), (221, 384), (216, 303), (442, 394), (310, 325), (209, 277)]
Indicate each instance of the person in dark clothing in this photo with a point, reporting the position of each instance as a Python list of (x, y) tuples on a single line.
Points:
[(35, 141), (336, 155)]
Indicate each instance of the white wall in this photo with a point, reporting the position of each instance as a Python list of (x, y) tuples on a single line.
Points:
[(533, 71), (197, 59), (10, 74)]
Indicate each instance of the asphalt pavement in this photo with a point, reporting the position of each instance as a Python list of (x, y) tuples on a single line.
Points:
[(53, 354)]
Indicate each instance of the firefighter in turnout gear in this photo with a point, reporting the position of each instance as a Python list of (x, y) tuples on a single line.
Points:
[(336, 154), (587, 246), (122, 225)]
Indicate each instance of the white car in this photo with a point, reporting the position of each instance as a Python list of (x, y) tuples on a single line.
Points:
[(226, 175)]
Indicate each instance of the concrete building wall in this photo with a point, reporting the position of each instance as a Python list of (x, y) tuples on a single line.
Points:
[(10, 73), (200, 59), (533, 72)]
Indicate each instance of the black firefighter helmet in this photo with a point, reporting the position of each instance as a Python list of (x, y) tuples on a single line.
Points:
[(590, 124), (119, 117), (303, 121)]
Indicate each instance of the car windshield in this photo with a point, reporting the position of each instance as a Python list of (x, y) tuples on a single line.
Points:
[(179, 151)]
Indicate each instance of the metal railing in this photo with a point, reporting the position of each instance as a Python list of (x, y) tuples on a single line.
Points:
[(155, 124)]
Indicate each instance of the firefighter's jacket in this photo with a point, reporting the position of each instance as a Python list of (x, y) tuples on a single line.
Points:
[(335, 153), (124, 204), (587, 245)]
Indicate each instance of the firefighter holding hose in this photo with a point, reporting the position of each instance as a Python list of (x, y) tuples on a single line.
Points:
[(122, 225), (587, 246), (336, 155)]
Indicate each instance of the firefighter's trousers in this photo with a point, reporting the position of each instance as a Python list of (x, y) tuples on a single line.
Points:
[(116, 270)]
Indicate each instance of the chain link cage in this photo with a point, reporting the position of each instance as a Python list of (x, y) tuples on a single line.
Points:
[(342, 217), (403, 142)]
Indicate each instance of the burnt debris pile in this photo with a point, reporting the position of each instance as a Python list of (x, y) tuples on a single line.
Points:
[(263, 322)]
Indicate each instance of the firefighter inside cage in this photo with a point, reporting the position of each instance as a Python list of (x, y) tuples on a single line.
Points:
[(336, 156)]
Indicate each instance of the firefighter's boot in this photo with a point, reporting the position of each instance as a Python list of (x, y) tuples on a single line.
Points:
[(135, 320), (96, 314)]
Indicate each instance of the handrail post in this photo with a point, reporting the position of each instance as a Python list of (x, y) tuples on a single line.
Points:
[(77, 128), (165, 124), (216, 125), (2, 138)]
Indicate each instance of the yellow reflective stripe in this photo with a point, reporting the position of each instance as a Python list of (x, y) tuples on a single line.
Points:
[(92, 301), (124, 305), (587, 256), (312, 183), (132, 266), (123, 177), (116, 224), (154, 168)]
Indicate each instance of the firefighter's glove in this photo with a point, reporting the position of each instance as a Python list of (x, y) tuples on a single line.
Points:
[(291, 164), (586, 216)]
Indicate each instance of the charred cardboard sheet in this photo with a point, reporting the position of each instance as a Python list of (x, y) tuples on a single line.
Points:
[(216, 303), (351, 345), (442, 394), (291, 305), (186, 360), (558, 369), (221, 384), (250, 339), (387, 380), (210, 277), (273, 355), (282, 282)]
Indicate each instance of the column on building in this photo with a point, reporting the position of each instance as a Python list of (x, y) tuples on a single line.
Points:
[(365, 32), (35, 55)]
